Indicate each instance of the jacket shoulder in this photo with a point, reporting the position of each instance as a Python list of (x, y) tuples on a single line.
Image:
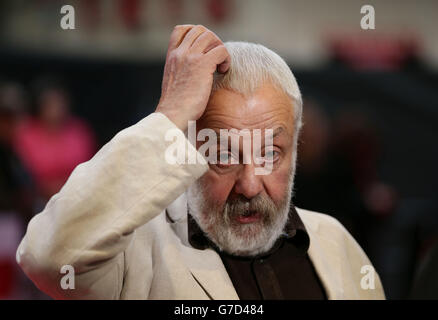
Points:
[(316, 220), (330, 230)]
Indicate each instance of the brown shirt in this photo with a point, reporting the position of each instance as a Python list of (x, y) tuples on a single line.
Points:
[(284, 272)]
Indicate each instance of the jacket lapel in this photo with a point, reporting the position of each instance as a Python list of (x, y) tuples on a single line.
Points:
[(209, 272), (324, 259), (206, 265)]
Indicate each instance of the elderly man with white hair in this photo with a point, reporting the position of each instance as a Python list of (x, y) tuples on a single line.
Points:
[(130, 224)]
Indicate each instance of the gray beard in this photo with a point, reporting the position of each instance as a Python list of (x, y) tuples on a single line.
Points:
[(219, 225)]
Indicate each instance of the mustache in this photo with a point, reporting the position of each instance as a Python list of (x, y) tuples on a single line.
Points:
[(241, 205)]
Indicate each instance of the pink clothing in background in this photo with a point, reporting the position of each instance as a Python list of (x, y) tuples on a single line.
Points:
[(51, 155)]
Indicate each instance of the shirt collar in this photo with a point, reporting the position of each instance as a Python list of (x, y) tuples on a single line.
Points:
[(294, 231)]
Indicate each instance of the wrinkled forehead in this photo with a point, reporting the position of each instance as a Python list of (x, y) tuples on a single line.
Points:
[(266, 108)]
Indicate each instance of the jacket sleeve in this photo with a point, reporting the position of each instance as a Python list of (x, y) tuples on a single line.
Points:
[(91, 221)]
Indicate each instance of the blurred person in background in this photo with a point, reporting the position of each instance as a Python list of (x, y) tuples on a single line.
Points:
[(327, 179), (313, 179), (53, 142), (15, 188), (338, 174), (15, 182)]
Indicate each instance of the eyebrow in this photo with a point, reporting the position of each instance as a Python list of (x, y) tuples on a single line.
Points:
[(277, 132)]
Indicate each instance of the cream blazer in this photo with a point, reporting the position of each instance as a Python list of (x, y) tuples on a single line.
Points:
[(109, 223)]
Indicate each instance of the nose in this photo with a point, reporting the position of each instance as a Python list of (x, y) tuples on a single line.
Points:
[(248, 183)]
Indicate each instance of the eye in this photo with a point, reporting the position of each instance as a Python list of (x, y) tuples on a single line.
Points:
[(225, 159), (271, 155)]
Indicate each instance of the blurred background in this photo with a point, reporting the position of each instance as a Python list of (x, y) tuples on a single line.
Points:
[(367, 155)]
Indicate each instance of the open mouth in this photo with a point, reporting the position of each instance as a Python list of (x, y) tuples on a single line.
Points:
[(248, 217)]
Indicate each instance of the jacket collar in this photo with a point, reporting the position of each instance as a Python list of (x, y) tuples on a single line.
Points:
[(208, 270), (324, 254)]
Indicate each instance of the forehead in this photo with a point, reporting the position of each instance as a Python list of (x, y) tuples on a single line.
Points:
[(267, 107)]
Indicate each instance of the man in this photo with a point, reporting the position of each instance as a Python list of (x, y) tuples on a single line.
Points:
[(126, 225)]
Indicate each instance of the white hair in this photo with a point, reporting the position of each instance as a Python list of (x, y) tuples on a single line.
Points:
[(253, 65)]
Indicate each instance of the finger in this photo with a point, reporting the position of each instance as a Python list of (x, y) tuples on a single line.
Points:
[(177, 35), (205, 42), (221, 57), (191, 36)]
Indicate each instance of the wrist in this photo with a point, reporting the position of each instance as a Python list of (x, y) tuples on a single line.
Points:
[(177, 120)]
